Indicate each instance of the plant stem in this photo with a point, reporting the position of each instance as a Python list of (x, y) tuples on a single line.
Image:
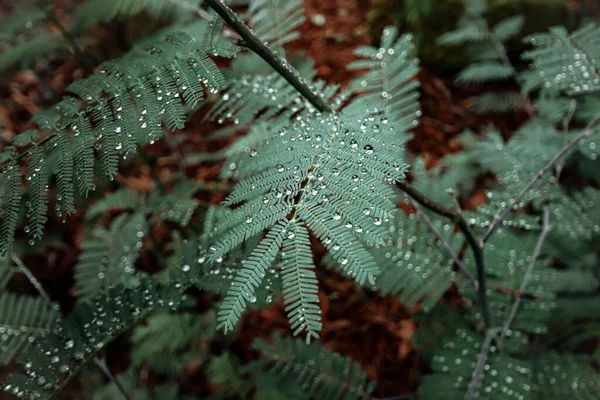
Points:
[(292, 76), (536, 253), (104, 368), (475, 244), (444, 243), (32, 279), (562, 153), (279, 64), (490, 334)]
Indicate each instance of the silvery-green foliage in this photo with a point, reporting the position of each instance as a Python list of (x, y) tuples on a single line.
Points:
[(305, 370), (128, 102), (567, 61), (328, 173)]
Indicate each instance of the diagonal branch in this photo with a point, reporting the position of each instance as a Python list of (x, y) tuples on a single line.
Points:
[(278, 63), (476, 245), (536, 253), (560, 155), (490, 334), (444, 243)]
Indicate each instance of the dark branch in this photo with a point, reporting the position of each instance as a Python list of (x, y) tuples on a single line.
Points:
[(279, 64), (476, 245)]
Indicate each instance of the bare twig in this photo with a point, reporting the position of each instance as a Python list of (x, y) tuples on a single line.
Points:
[(490, 334), (32, 279), (476, 245), (536, 253), (562, 153), (106, 371), (463, 268)]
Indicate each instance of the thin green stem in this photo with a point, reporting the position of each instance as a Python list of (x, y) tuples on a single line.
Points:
[(536, 253), (483, 355), (559, 156)]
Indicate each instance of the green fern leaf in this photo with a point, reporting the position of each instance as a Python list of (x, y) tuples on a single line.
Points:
[(389, 80), (126, 102), (11, 200), (302, 169), (567, 62), (38, 189), (560, 376), (465, 34), (454, 363), (249, 277), (109, 257), (93, 12), (6, 272), (23, 320), (276, 21), (299, 283), (225, 371), (496, 102), (485, 72), (509, 27), (64, 177), (319, 372), (121, 199), (50, 362), (418, 268)]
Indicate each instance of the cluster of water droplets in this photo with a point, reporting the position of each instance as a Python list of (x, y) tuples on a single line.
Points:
[(503, 375)]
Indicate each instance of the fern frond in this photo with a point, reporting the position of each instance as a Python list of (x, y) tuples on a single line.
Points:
[(467, 33), (11, 201), (248, 96), (389, 80), (109, 256), (94, 12), (37, 206), (121, 199), (6, 272), (567, 62), (302, 168), (496, 102), (418, 268), (249, 277), (509, 27), (320, 372), (128, 101), (276, 21), (454, 363), (355, 261), (299, 283), (561, 376), (64, 177), (169, 334), (26, 53), (485, 72), (50, 362), (575, 214), (225, 371), (509, 253), (23, 320)]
